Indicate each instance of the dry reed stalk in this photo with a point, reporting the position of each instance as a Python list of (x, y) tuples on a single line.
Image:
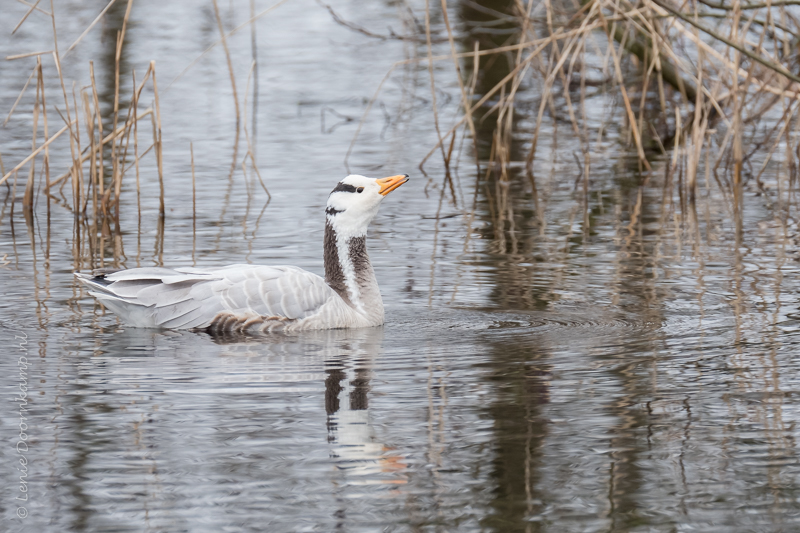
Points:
[(504, 128), (788, 166), (565, 79), (249, 196), (158, 256), (79, 184), (115, 184), (540, 115), (250, 148), (13, 196), (89, 121), (119, 248), (254, 51), (698, 133), (433, 85), (584, 136), (793, 179), (24, 17), (46, 159), (472, 86), (69, 121), (27, 199), (28, 54), (194, 205), (135, 106), (77, 256), (116, 176), (459, 76), (658, 47), (128, 126), (158, 149), (247, 210), (139, 158), (629, 111), (737, 120), (230, 63), (785, 122), (476, 61), (645, 85), (100, 180)]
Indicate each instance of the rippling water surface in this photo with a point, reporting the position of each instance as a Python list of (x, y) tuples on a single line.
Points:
[(623, 369)]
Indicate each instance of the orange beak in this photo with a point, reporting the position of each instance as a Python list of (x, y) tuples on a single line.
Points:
[(391, 183)]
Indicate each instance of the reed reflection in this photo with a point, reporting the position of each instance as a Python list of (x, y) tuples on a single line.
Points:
[(521, 374)]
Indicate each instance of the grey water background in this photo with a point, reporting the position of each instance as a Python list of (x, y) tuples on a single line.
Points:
[(609, 372)]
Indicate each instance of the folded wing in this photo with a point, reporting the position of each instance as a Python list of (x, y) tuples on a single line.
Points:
[(187, 298)]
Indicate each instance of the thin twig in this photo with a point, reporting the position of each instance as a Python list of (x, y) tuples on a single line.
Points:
[(87, 30), (35, 152)]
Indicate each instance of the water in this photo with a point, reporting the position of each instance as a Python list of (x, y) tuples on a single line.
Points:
[(569, 371)]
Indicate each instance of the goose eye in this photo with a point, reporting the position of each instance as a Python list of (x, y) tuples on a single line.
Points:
[(360, 190)]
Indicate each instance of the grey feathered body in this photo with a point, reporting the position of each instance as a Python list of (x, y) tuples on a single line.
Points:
[(248, 298), (234, 298)]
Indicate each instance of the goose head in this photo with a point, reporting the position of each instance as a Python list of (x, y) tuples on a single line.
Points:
[(355, 200)]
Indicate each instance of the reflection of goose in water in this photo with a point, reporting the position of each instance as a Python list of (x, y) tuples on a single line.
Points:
[(355, 450), (264, 298), (298, 363)]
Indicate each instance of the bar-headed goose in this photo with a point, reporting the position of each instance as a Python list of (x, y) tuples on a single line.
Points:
[(241, 298)]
